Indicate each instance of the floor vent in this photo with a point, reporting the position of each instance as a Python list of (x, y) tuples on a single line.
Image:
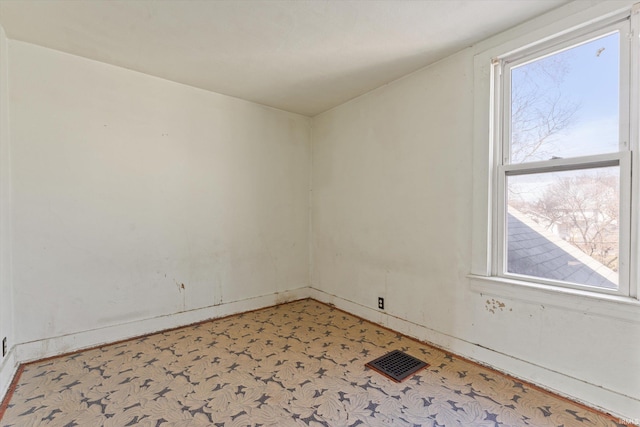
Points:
[(397, 366)]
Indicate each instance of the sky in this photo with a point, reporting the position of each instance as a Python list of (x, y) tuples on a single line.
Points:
[(590, 81)]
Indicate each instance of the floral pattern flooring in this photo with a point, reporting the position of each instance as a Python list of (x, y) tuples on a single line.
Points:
[(297, 364)]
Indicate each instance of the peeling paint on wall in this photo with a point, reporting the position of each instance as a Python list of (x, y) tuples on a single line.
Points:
[(494, 305)]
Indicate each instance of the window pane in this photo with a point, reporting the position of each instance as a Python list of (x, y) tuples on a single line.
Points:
[(564, 226), (567, 104)]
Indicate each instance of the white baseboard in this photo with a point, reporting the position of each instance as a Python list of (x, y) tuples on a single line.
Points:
[(8, 369), (619, 405), (41, 349), (36, 350), (591, 395)]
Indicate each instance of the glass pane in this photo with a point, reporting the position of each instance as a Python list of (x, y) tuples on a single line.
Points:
[(567, 104), (564, 226)]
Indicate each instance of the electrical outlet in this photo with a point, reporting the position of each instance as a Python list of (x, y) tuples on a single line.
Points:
[(381, 303), (4, 346)]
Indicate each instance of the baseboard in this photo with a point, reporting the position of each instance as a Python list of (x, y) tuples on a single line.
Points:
[(618, 405), (50, 347), (591, 395), (41, 349), (8, 369)]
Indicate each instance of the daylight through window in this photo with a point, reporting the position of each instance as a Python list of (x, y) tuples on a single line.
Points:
[(564, 176)]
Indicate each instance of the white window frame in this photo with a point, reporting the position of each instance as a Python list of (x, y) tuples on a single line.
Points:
[(539, 34), (502, 67)]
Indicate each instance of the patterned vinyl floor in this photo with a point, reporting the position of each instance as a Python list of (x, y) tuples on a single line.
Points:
[(297, 364)]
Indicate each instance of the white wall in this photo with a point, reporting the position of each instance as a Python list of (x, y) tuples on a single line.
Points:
[(392, 217), (392, 196), (129, 187), (7, 363)]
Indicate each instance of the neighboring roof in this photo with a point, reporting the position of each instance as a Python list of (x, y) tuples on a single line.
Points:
[(534, 251)]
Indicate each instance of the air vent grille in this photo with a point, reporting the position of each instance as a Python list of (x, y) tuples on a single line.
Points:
[(397, 365)]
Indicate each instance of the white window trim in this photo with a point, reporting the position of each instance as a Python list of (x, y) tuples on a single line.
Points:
[(549, 27), (620, 24)]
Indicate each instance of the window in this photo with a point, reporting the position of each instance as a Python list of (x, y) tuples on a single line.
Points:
[(562, 132)]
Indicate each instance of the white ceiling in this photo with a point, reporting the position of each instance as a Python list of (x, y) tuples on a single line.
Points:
[(300, 56)]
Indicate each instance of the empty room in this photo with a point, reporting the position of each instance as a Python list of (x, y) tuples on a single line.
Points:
[(320, 213)]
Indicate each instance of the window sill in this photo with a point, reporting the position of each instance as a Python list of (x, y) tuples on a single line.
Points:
[(590, 303)]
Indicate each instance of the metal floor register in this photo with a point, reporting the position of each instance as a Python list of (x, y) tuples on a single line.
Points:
[(397, 366)]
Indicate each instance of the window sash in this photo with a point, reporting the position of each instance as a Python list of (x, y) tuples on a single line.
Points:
[(621, 159), (566, 42), (501, 87)]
